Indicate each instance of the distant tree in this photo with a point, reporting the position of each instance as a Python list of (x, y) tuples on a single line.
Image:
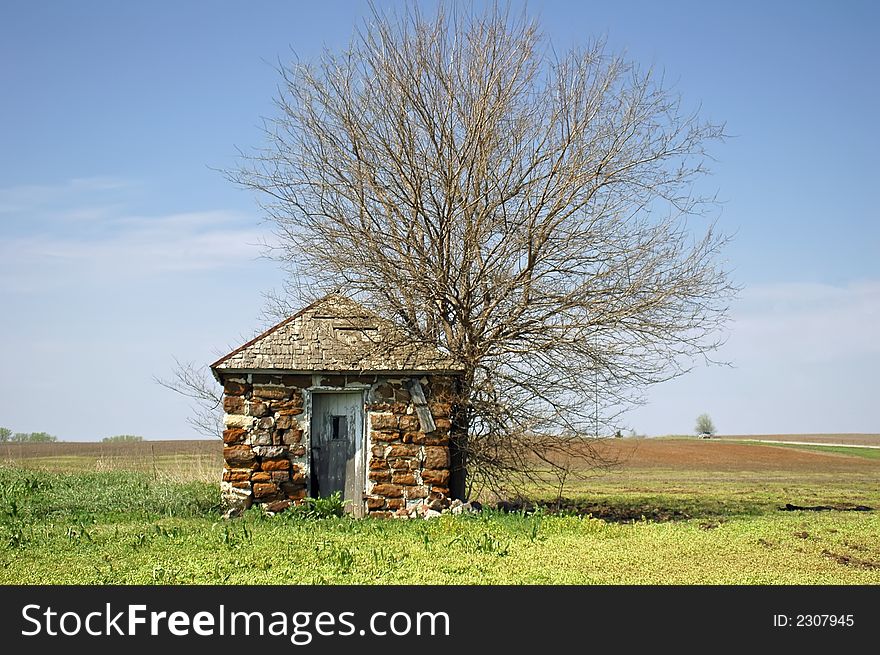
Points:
[(5, 434), (126, 438), (704, 426), (33, 437)]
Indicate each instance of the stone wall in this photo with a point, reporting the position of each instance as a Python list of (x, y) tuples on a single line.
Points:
[(406, 465), (266, 440)]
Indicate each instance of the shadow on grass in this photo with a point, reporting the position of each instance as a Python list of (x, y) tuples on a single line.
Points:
[(640, 508)]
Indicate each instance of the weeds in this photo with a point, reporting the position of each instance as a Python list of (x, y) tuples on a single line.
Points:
[(384, 560), (340, 558), (535, 528), (484, 543), (319, 508), (78, 532), (234, 536)]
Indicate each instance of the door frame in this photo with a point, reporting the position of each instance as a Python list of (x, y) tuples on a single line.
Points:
[(357, 505)]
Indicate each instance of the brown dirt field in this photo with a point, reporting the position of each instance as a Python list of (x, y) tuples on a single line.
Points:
[(632, 454), (853, 438), (714, 455), (132, 450)]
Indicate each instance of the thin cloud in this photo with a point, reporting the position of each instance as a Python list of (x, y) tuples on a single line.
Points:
[(131, 247), (33, 198), (807, 322), (81, 232)]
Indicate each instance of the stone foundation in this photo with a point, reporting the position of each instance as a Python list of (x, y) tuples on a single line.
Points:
[(266, 440)]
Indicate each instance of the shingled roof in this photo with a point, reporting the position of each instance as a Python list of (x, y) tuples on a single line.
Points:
[(335, 334)]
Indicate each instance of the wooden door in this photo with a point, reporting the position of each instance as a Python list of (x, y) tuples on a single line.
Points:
[(337, 447)]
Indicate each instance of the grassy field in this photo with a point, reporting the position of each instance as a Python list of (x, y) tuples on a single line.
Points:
[(176, 460), (850, 451), (674, 511), (853, 438)]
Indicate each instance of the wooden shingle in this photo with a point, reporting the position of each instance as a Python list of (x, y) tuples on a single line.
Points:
[(335, 334)]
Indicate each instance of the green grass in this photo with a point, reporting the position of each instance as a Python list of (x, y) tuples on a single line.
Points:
[(134, 528), (853, 451), (723, 493), (33, 496)]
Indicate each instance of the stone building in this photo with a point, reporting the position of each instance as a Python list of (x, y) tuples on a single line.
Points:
[(335, 399)]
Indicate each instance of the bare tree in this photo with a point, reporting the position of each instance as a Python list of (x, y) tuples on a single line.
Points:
[(525, 212), (196, 383)]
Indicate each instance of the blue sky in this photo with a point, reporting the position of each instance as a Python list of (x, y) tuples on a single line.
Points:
[(121, 246)]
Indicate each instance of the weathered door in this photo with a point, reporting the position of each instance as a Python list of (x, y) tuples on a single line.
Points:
[(337, 447)]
